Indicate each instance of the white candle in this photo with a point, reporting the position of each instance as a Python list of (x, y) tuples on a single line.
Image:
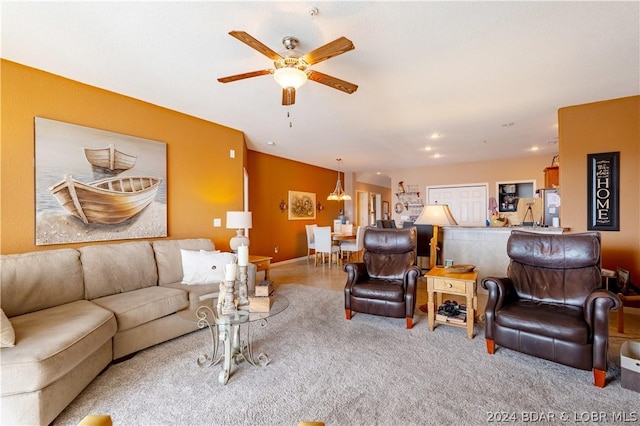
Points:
[(230, 272), (243, 255)]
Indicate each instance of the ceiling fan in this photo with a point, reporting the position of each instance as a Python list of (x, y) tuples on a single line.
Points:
[(292, 67)]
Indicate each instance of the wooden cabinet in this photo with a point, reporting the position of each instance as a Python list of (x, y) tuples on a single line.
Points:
[(552, 177)]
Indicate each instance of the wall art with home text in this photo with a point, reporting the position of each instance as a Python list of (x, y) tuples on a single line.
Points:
[(603, 186)]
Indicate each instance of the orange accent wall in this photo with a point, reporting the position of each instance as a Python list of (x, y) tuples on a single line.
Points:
[(202, 181), (270, 179), (606, 126)]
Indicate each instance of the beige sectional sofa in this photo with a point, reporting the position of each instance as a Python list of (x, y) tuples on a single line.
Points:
[(75, 311)]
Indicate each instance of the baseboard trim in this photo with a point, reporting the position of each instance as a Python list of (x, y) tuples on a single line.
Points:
[(288, 261)]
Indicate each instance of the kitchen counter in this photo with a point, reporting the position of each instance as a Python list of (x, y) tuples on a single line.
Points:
[(484, 247), (508, 229)]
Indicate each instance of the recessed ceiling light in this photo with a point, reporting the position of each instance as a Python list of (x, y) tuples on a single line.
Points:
[(427, 148), (535, 148), (435, 136), (377, 173), (436, 156), (271, 143)]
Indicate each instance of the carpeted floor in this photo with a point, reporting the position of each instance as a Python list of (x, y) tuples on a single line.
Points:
[(367, 371)]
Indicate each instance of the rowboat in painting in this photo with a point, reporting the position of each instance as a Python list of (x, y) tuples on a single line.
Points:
[(109, 159), (107, 201)]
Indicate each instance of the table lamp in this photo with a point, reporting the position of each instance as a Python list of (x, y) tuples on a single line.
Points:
[(436, 215), (239, 221)]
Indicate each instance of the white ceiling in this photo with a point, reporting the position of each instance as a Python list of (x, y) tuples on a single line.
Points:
[(464, 70)]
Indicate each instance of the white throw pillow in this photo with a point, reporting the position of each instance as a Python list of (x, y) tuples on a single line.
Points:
[(204, 267), (8, 336)]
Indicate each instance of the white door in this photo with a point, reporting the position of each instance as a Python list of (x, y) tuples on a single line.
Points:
[(468, 203)]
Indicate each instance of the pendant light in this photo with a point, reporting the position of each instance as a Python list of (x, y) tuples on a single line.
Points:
[(338, 193)]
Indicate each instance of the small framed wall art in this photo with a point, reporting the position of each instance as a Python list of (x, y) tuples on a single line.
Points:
[(302, 205)]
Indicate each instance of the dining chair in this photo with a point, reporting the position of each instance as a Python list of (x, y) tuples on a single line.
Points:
[(311, 244), (354, 246), (324, 245)]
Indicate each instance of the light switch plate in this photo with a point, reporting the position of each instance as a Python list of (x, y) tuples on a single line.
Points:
[(217, 222)]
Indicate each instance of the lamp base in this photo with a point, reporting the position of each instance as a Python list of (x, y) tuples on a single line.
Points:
[(239, 240)]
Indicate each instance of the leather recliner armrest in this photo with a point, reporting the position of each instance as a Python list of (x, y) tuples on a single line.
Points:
[(596, 310), (500, 290), (356, 272), (411, 276), (598, 304)]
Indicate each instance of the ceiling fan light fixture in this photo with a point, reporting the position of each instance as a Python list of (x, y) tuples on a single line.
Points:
[(290, 77)]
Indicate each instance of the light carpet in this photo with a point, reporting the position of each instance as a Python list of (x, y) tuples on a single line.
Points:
[(367, 371)]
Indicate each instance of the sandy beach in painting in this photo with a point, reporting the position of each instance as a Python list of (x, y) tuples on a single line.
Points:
[(57, 227)]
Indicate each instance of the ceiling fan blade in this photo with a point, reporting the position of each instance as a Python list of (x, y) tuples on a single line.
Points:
[(330, 81), (329, 50), (252, 42), (288, 96), (237, 77)]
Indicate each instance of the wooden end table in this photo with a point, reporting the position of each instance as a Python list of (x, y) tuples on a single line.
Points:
[(263, 263), (440, 282)]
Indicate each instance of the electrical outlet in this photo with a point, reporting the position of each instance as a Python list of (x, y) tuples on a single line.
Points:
[(276, 249), (232, 153)]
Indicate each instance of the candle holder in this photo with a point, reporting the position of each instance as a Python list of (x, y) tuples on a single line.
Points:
[(228, 305), (222, 288), (242, 286)]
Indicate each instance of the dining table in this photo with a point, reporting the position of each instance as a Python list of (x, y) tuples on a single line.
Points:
[(341, 236)]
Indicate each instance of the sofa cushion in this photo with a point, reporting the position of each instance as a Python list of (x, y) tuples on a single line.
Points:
[(143, 305), (196, 293), (40, 280), (117, 268), (205, 267), (199, 292), (169, 259), (52, 342), (8, 335)]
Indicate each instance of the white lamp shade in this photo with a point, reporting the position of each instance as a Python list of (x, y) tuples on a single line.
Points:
[(238, 220), (436, 214), (290, 77)]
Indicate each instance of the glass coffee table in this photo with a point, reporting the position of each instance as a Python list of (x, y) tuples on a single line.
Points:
[(233, 332)]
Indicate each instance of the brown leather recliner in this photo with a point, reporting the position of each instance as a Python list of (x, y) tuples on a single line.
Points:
[(551, 305), (385, 282)]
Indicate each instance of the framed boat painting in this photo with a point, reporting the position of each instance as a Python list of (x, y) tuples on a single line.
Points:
[(96, 185)]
